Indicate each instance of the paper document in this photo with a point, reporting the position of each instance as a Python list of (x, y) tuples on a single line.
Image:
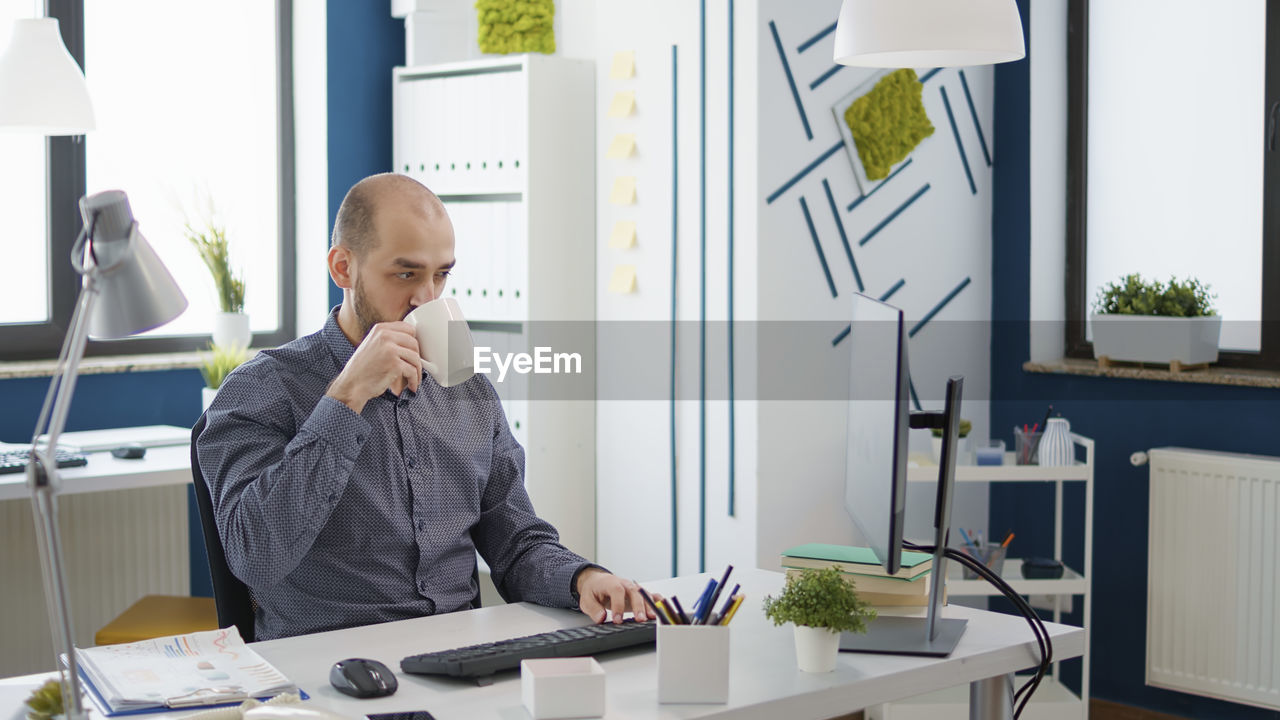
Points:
[(203, 668), (147, 436)]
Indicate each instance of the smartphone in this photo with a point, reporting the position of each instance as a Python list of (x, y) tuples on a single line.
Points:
[(408, 715)]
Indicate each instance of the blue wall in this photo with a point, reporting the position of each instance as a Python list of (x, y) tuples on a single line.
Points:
[(364, 43), (1122, 417)]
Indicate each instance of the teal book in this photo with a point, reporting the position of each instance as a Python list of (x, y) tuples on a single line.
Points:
[(852, 559)]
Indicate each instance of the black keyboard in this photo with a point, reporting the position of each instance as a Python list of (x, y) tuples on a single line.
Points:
[(479, 661), (15, 461)]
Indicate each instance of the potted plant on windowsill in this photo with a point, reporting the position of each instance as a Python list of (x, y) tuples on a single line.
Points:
[(1170, 323), (822, 604), (215, 368), (231, 324), (964, 448)]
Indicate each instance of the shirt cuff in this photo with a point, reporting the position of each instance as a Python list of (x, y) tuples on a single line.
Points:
[(575, 571), (338, 425)]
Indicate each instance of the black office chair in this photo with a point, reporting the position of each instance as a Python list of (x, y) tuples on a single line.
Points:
[(235, 605)]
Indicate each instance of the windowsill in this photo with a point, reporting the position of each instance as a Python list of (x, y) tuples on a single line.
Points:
[(107, 364), (1211, 375)]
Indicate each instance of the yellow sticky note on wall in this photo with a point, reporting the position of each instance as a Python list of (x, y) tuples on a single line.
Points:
[(624, 190), (623, 281), (624, 235), (623, 103), (622, 146), (624, 65)]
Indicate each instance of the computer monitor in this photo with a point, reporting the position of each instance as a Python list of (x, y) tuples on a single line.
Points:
[(876, 472)]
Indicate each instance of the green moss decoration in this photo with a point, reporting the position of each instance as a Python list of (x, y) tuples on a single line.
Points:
[(46, 702), (516, 26), (888, 122)]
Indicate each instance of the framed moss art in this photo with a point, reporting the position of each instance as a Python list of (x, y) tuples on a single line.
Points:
[(882, 121), (516, 26)]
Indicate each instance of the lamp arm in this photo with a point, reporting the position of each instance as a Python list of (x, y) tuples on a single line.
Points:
[(43, 481)]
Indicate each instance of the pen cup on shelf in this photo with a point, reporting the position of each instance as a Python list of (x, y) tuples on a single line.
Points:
[(990, 555), (990, 453), (553, 688), (1026, 446), (693, 663)]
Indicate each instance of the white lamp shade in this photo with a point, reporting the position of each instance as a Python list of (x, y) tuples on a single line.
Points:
[(137, 293), (42, 90), (928, 33)]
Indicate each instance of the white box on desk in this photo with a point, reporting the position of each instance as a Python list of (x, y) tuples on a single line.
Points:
[(693, 663), (553, 688)]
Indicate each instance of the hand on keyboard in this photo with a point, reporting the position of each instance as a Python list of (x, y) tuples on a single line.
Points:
[(600, 592)]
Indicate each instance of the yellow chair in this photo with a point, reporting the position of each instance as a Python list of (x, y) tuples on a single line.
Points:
[(158, 616)]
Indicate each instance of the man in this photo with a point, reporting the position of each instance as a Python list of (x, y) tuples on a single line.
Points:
[(349, 487)]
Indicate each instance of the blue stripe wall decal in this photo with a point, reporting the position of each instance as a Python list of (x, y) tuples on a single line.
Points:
[(786, 67), (808, 169), (810, 42), (732, 453), (844, 239), (702, 286), (973, 111), (955, 131), (896, 287), (936, 308), (826, 76), (822, 258), (928, 75), (881, 225), (675, 237), (843, 334), (892, 175)]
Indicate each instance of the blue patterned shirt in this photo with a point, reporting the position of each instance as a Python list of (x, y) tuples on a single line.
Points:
[(336, 519)]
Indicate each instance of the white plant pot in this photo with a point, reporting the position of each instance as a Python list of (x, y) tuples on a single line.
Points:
[(1147, 338), (207, 394), (231, 329), (964, 450), (816, 649)]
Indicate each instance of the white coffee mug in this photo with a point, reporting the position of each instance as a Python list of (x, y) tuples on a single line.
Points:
[(444, 341)]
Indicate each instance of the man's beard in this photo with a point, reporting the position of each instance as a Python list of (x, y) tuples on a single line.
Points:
[(366, 316)]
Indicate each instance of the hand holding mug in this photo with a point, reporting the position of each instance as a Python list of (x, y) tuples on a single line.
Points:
[(387, 358)]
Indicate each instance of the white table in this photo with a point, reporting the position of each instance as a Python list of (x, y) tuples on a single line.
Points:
[(764, 682), (169, 465)]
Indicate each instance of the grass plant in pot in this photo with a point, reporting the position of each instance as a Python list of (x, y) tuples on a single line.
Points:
[(965, 448), (231, 324), (1170, 323), (215, 368), (821, 604)]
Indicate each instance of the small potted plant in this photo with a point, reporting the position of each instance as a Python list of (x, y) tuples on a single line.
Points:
[(963, 449), (231, 324), (45, 702), (217, 365), (1170, 323), (822, 604)]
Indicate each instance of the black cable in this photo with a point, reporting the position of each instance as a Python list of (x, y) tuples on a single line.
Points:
[(1038, 629)]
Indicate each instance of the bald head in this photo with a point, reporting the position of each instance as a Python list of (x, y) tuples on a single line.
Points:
[(355, 227)]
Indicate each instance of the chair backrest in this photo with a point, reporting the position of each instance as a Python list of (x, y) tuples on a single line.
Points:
[(230, 595)]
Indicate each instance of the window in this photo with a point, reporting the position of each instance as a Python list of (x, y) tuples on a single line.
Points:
[(194, 117), (1168, 168)]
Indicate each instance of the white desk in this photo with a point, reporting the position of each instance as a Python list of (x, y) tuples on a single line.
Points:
[(763, 682), (169, 465)]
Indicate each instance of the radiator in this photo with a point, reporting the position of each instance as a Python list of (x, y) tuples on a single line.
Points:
[(118, 546), (1213, 586)]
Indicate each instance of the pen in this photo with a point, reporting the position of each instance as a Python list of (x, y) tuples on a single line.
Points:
[(1007, 540), (737, 600), (967, 541), (684, 619), (728, 600), (724, 580), (670, 612), (649, 601), (699, 608)]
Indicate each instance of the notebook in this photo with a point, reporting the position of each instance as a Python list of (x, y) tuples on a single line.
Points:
[(214, 667)]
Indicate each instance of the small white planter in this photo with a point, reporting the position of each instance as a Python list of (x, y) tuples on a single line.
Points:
[(1165, 340), (816, 649), (231, 329), (964, 450)]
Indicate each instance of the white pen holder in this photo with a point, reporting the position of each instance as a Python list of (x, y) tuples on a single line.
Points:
[(693, 663)]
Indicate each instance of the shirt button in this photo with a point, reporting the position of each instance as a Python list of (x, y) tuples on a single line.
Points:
[(422, 524), (404, 401), (333, 497), (422, 586), (359, 438), (409, 461)]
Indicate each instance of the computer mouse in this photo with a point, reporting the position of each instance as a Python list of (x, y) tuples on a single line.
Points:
[(131, 451), (362, 678)]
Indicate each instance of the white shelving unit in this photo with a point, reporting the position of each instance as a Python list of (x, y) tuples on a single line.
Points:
[(508, 144), (1053, 700)]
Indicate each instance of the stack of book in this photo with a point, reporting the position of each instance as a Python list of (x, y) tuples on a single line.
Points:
[(858, 565)]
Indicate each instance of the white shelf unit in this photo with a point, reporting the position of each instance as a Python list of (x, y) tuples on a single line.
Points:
[(1053, 700), (508, 143)]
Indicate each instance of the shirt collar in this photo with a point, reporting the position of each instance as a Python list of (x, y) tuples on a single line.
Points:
[(336, 340)]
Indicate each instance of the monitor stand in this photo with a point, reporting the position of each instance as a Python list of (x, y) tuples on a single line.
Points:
[(931, 635)]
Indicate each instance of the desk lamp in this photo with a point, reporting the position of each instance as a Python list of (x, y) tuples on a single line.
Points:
[(126, 290), (928, 33)]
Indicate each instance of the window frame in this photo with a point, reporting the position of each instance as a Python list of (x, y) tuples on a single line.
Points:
[(65, 161), (1077, 302)]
